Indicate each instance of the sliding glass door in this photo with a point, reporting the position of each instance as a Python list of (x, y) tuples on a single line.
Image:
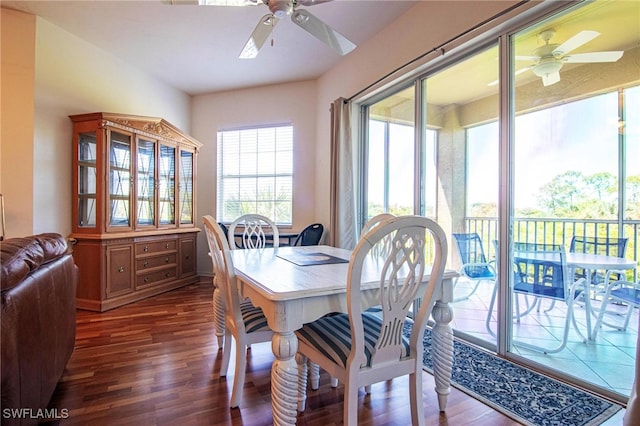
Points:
[(575, 77), (528, 139)]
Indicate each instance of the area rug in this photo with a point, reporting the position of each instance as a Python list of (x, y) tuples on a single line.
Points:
[(524, 395)]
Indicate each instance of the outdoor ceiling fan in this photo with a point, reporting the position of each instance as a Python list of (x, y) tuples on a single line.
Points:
[(550, 57), (279, 9)]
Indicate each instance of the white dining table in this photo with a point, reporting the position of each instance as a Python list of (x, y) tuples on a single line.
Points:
[(291, 294), (589, 262)]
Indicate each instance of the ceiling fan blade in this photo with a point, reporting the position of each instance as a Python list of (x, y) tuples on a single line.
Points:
[(551, 78), (322, 31), (259, 35), (576, 41), (214, 2), (611, 56), (229, 2), (311, 2)]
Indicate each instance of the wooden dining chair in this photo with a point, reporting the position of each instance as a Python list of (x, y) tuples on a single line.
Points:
[(363, 347), (253, 235), (243, 321)]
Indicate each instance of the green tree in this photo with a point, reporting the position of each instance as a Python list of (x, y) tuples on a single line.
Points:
[(559, 197)]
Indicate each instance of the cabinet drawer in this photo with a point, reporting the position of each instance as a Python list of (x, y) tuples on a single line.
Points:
[(143, 280), (155, 247), (154, 262)]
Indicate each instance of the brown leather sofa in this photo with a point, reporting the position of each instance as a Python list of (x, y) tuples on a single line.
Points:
[(38, 320)]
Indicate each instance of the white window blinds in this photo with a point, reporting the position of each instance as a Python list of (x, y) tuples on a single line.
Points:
[(255, 173)]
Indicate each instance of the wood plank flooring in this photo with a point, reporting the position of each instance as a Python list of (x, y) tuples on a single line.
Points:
[(156, 362)]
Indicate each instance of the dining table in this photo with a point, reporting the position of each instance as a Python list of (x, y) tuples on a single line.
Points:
[(297, 285)]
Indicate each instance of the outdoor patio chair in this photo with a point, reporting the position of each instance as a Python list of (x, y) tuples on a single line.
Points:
[(607, 246), (361, 347), (541, 271), (623, 292), (475, 266), (253, 235), (245, 322)]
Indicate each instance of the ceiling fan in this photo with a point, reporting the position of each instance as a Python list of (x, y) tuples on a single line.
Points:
[(280, 9), (550, 57)]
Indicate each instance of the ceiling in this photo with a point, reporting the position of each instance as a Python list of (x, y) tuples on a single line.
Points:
[(195, 48)]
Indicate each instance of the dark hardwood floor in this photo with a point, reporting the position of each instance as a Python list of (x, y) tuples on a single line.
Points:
[(156, 362)]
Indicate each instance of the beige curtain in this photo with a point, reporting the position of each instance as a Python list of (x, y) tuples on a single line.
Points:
[(342, 227)]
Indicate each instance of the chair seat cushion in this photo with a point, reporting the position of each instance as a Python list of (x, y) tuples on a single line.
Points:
[(331, 335), (254, 319)]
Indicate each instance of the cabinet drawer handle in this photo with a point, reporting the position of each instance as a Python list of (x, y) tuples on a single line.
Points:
[(168, 274), (145, 264), (166, 245), (146, 249), (146, 279), (121, 269), (166, 260)]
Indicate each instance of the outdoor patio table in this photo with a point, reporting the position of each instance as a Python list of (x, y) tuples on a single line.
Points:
[(588, 262)]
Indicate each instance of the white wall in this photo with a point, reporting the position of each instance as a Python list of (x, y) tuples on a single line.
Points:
[(74, 77), (16, 132), (287, 103)]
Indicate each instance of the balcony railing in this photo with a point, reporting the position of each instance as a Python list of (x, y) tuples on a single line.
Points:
[(559, 231)]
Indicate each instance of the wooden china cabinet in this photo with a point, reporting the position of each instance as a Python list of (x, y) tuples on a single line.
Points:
[(133, 208)]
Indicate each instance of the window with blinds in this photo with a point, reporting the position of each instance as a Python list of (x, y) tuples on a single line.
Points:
[(255, 173)]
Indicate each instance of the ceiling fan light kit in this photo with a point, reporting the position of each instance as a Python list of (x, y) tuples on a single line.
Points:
[(550, 57)]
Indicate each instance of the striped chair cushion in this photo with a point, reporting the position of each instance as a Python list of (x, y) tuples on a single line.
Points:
[(331, 336), (254, 319)]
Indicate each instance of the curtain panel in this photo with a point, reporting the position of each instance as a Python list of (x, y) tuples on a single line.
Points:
[(343, 215)]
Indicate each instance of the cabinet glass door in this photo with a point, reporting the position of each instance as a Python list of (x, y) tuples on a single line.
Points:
[(87, 180), (167, 185), (120, 180), (186, 187), (146, 171)]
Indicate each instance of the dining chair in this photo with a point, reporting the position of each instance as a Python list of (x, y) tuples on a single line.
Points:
[(624, 292), (540, 270), (218, 302), (475, 266), (361, 347), (374, 221), (253, 235), (310, 236), (382, 247), (243, 321)]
